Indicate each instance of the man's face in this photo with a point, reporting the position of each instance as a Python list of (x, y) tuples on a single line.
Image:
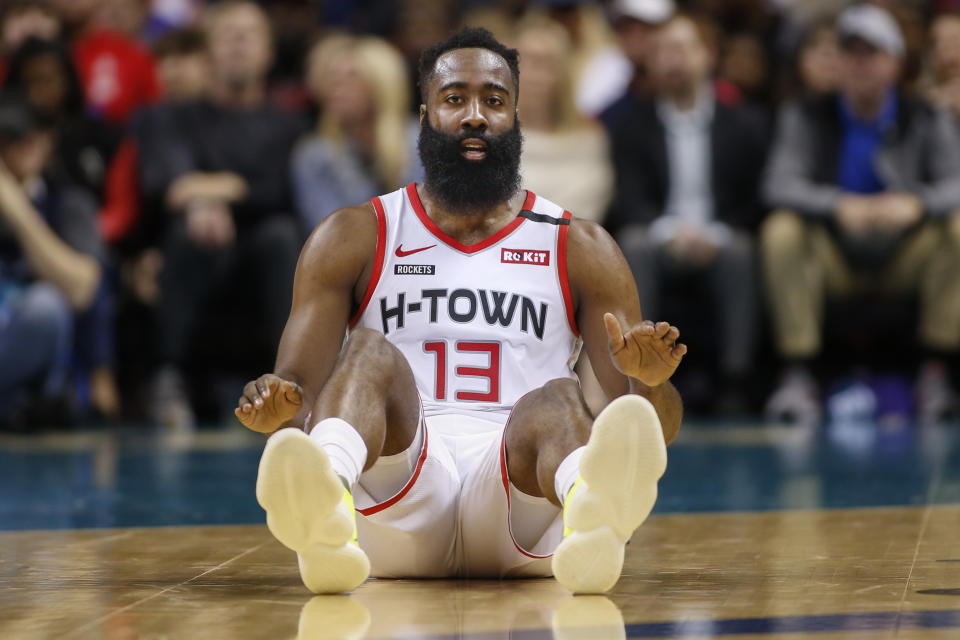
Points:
[(183, 76), (240, 44), (634, 39), (470, 137), (679, 58), (46, 84), (866, 73)]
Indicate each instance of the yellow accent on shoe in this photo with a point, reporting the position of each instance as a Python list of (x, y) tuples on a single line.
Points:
[(348, 500), (567, 529)]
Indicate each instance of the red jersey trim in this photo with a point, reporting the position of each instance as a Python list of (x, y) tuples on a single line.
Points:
[(378, 263), (377, 508), (562, 273), (459, 246), (505, 477)]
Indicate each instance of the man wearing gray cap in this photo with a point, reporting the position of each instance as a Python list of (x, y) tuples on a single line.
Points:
[(866, 186)]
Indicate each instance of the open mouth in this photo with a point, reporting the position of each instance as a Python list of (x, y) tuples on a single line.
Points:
[(474, 149)]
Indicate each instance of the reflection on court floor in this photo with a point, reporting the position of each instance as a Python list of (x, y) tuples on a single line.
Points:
[(848, 532)]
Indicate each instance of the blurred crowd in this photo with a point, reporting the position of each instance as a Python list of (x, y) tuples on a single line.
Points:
[(783, 177)]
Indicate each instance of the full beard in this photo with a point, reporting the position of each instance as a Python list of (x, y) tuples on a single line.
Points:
[(467, 186)]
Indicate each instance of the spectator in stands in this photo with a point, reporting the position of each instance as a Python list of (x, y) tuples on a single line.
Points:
[(182, 64), (117, 71), (50, 271), (686, 201), (867, 187), (612, 74), (814, 72), (84, 147), (365, 141), (224, 173), (21, 20), (942, 76), (565, 156)]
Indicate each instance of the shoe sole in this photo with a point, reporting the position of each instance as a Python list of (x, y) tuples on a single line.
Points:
[(302, 497), (625, 457)]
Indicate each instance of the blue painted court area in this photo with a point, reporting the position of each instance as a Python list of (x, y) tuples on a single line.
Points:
[(127, 477)]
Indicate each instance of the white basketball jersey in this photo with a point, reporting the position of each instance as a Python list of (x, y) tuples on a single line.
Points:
[(480, 325)]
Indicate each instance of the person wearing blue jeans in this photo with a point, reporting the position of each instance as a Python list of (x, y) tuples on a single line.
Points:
[(49, 267)]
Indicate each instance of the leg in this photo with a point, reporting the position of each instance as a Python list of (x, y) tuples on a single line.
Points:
[(271, 248), (373, 389), (794, 289), (546, 425), (624, 457), (38, 337), (189, 275), (368, 407), (644, 258), (733, 284)]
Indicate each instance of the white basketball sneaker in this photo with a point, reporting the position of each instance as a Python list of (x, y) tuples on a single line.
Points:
[(617, 488), (310, 511)]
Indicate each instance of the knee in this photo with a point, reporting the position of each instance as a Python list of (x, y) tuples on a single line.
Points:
[(561, 395), (370, 348), (952, 230), (739, 249), (782, 231), (47, 311)]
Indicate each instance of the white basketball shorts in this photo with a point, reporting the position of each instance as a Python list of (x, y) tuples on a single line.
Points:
[(456, 513)]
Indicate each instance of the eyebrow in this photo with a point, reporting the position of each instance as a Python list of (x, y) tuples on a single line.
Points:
[(490, 86)]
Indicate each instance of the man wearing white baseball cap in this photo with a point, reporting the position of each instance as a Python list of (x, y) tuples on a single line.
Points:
[(617, 70), (866, 187)]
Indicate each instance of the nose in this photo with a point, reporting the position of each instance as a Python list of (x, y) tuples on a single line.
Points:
[(473, 117)]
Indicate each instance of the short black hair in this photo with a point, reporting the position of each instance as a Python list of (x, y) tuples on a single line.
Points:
[(466, 38)]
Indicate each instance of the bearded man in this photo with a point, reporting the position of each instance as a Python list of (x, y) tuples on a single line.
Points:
[(449, 418)]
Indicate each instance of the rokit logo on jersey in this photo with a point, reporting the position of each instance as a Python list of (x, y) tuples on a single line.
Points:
[(496, 308), (525, 256)]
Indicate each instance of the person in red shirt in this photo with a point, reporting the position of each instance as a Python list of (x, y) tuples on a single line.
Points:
[(118, 73)]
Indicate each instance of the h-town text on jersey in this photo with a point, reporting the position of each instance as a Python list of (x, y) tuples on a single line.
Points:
[(496, 308)]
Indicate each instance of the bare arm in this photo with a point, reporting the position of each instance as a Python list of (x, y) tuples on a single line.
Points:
[(75, 274), (332, 274), (639, 359)]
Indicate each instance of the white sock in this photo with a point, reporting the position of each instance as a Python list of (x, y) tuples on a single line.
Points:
[(343, 445), (567, 473)]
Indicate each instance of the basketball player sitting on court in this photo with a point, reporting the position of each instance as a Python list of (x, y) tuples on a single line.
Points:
[(450, 419)]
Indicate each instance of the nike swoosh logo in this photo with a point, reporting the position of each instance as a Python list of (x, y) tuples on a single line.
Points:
[(402, 254)]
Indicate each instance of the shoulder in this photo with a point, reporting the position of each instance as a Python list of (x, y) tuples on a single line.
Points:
[(591, 251), (340, 251), (596, 268), (587, 237), (344, 231)]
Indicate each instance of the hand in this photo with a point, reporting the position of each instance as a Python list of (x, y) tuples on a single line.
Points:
[(648, 352), (692, 246), (268, 402), (856, 214), (13, 198), (897, 211), (210, 224), (225, 186)]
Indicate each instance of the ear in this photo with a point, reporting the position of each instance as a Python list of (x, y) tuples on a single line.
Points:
[(423, 113)]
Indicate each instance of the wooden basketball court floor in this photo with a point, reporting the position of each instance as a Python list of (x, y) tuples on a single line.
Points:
[(845, 531)]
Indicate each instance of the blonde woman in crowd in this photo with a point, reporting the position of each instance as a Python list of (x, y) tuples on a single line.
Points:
[(565, 156), (365, 139)]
